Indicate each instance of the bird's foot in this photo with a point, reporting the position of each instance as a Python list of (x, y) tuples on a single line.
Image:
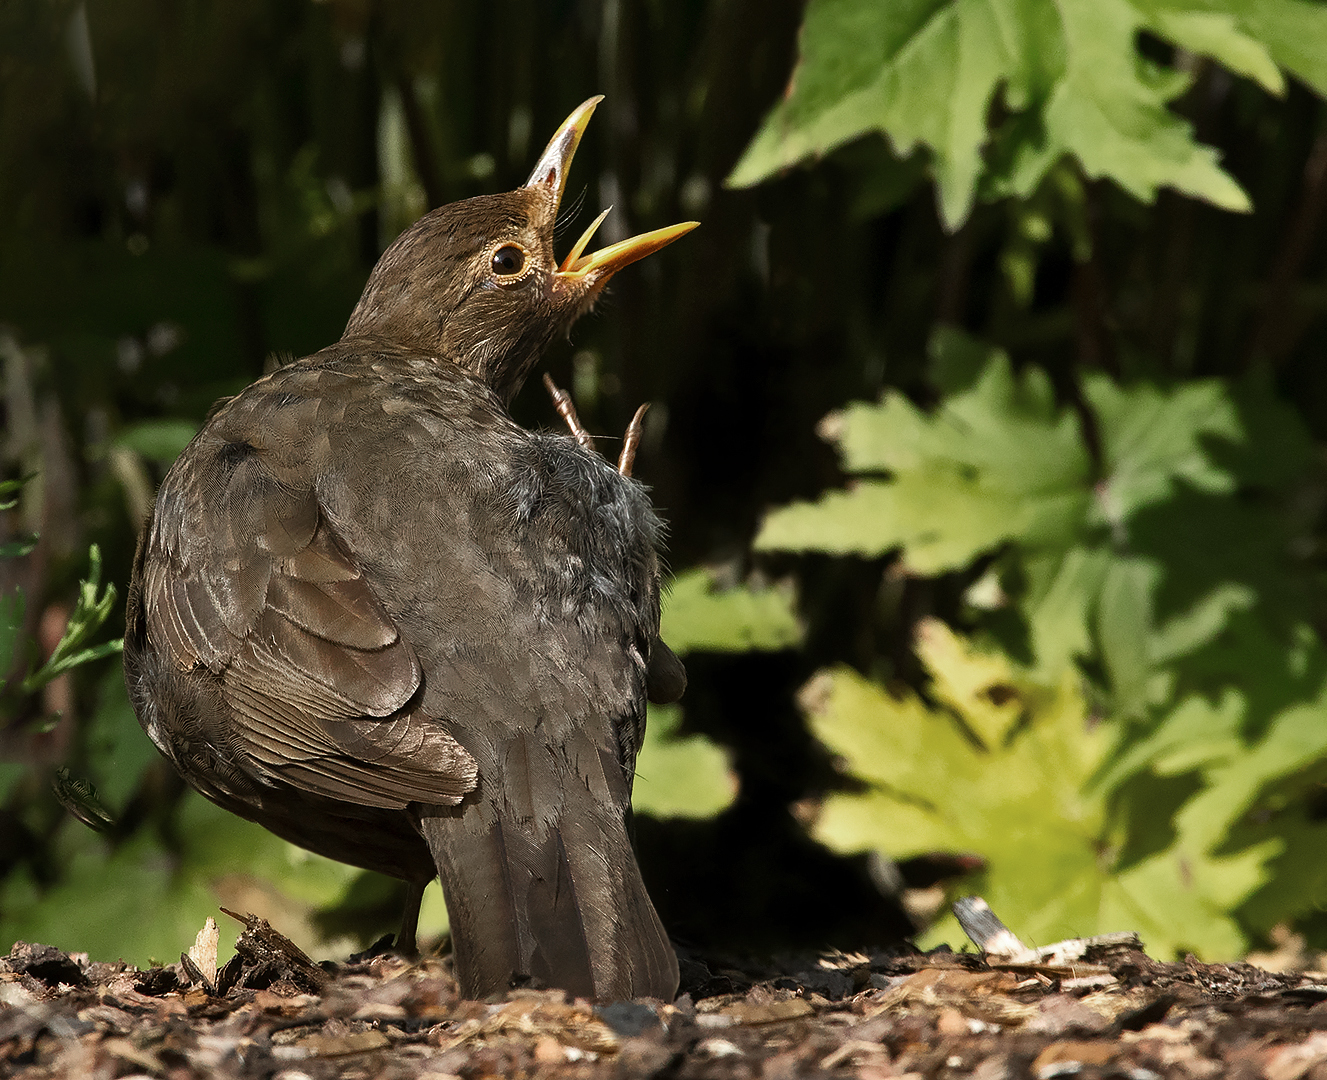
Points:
[(562, 402), (626, 460), (631, 440)]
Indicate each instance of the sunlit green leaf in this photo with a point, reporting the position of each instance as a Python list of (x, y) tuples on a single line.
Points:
[(1165, 575), (1024, 803), (1292, 31), (996, 462), (1296, 739), (1124, 612), (1062, 590), (699, 617), (925, 72), (1216, 34), (1151, 440), (685, 777)]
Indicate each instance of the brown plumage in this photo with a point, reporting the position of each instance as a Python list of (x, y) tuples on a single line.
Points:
[(375, 615)]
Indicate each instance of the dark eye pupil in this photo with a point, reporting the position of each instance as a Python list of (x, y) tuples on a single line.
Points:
[(508, 260)]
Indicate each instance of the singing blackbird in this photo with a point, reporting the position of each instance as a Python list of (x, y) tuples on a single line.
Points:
[(375, 615)]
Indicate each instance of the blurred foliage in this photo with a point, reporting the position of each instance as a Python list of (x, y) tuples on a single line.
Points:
[(1087, 439), (698, 617), (1065, 77), (996, 463), (680, 777), (91, 610), (1136, 555), (1001, 765)]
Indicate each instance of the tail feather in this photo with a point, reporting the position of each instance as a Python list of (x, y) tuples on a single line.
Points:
[(561, 953), (555, 897)]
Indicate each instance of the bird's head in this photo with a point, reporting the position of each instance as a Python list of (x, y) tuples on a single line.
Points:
[(477, 282)]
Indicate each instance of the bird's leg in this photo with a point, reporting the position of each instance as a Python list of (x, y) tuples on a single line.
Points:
[(566, 410), (631, 440), (405, 937)]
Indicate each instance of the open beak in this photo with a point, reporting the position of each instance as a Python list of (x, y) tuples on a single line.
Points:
[(551, 172)]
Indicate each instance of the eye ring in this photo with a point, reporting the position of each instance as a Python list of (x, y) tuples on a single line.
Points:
[(509, 261)]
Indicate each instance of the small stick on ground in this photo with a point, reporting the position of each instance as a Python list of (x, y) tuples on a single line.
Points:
[(1003, 949)]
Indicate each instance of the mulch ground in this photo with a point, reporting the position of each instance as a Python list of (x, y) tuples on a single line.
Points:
[(270, 1012)]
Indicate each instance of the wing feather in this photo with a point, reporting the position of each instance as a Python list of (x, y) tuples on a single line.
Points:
[(246, 578)]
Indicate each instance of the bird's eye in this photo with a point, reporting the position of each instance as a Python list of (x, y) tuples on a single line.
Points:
[(508, 260)]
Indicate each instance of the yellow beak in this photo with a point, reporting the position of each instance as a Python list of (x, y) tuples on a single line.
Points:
[(551, 172)]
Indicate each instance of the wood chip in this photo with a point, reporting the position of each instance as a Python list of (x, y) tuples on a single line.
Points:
[(1082, 1052), (853, 1048), (125, 1050), (204, 950), (773, 1012), (942, 1015), (1076, 956), (359, 1042)]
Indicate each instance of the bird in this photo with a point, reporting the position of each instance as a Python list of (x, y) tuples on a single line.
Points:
[(374, 614)]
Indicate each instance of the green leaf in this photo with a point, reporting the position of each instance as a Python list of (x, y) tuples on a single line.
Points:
[(1114, 120), (133, 901), (10, 489), (90, 612), (157, 440), (1298, 879), (1196, 733), (1184, 879), (1152, 439), (1173, 580), (1024, 803), (1061, 596), (1124, 611), (1216, 34), (925, 72), (1296, 739), (680, 777), (1293, 32), (699, 617), (996, 462), (16, 549)]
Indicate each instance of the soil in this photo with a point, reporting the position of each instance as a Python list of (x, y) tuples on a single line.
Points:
[(272, 1012)]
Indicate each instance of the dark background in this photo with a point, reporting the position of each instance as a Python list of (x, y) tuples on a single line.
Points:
[(187, 188)]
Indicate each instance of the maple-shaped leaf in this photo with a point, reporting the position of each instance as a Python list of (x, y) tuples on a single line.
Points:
[(1069, 78), (998, 461), (1001, 766)]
